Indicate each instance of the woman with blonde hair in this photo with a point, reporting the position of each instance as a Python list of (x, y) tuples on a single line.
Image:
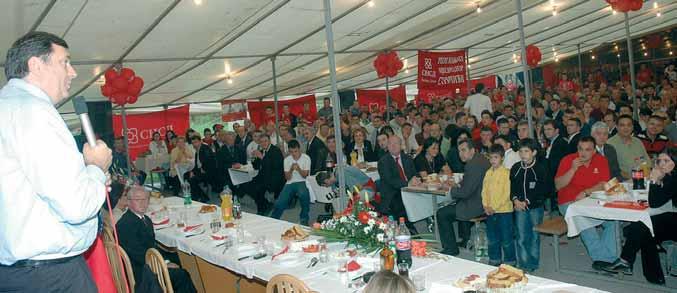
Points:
[(389, 282)]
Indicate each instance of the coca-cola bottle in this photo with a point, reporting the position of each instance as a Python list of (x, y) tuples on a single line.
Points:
[(637, 176), (403, 244)]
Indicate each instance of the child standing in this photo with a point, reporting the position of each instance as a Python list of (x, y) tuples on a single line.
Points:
[(498, 207), (529, 184)]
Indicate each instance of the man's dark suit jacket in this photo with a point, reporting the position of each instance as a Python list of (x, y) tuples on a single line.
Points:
[(315, 151), (573, 143), (243, 143), (225, 158), (369, 154), (468, 194), (559, 149), (136, 237), (391, 183), (612, 157), (271, 170)]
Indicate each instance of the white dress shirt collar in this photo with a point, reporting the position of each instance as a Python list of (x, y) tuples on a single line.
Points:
[(30, 88)]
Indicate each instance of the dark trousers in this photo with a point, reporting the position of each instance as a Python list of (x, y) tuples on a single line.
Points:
[(257, 190), (501, 239), (196, 191), (395, 207), (70, 276), (446, 217), (638, 237), (181, 281)]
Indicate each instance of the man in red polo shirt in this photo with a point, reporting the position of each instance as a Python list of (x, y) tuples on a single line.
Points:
[(578, 175)]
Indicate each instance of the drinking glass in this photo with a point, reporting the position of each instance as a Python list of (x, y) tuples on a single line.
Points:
[(324, 252), (215, 224), (261, 244), (343, 271), (419, 281), (403, 269), (239, 233)]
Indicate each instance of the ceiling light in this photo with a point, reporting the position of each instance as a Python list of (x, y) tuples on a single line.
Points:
[(592, 57), (670, 53), (658, 14), (613, 11), (618, 55), (554, 10), (646, 54), (197, 2), (655, 4), (556, 59), (479, 9), (371, 3), (229, 80), (406, 70), (468, 66)]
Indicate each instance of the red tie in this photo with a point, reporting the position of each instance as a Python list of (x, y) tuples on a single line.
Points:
[(399, 167)]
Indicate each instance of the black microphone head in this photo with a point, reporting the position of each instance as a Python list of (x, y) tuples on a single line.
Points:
[(80, 105)]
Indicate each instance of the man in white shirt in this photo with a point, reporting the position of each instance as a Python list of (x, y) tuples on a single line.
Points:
[(50, 194), (478, 102), (253, 146), (296, 169)]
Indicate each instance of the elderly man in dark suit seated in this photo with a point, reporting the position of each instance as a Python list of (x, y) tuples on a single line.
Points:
[(468, 199), (136, 234), (396, 170)]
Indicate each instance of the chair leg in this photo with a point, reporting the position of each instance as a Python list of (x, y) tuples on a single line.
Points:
[(555, 246)]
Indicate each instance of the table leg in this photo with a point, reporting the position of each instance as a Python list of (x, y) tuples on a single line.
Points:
[(437, 229)]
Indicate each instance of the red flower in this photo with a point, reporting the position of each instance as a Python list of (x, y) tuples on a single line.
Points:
[(363, 217)]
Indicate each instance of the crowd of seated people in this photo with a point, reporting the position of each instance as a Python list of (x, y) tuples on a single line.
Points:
[(584, 134)]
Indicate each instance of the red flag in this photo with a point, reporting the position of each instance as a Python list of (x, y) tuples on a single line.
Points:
[(141, 127), (97, 261), (376, 99), (441, 74), (233, 110)]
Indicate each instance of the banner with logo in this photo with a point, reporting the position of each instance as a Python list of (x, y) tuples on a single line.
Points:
[(259, 115), (141, 127), (233, 110), (441, 74), (376, 99)]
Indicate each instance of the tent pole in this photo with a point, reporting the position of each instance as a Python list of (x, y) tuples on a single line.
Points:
[(525, 67), (631, 64), (277, 118), (336, 106), (387, 99), (124, 136), (580, 66), (467, 70)]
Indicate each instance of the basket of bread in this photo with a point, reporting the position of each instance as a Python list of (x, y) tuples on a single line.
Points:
[(613, 187), (506, 279), (295, 233), (206, 209)]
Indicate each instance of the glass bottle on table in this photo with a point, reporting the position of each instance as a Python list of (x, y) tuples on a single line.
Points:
[(237, 208), (226, 204), (387, 258)]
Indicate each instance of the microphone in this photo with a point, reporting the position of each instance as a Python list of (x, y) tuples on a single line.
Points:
[(80, 106)]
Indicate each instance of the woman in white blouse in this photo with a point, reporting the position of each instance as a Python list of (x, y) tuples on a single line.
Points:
[(182, 157), (157, 145)]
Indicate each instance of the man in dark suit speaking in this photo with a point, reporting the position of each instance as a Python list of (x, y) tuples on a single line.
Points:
[(269, 161), (396, 170)]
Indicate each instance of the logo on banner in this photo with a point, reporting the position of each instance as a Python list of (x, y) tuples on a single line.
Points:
[(134, 135)]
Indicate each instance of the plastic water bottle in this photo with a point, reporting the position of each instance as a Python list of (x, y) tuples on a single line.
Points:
[(481, 245), (237, 208), (403, 244), (187, 201)]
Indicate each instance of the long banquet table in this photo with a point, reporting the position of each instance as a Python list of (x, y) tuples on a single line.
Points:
[(216, 271)]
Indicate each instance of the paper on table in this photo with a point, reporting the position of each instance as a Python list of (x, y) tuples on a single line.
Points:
[(444, 288)]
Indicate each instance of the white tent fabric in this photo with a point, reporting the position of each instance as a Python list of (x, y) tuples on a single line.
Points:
[(185, 50)]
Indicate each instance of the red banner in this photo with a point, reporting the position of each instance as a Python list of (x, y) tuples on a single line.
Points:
[(141, 127), (259, 116), (376, 99), (233, 110), (488, 81), (441, 74)]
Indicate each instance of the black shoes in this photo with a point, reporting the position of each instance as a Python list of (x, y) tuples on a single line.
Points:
[(599, 265), (619, 266)]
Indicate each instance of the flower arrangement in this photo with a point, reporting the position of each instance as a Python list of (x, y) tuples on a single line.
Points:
[(358, 225)]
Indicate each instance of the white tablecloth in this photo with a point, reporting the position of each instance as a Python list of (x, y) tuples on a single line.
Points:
[(151, 162), (439, 274), (243, 175), (589, 212), (419, 205), (318, 193)]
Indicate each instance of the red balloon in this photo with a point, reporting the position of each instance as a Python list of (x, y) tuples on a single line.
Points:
[(132, 99), (119, 98), (127, 73), (137, 82), (635, 5), (106, 90), (623, 6), (120, 83), (133, 90), (110, 75)]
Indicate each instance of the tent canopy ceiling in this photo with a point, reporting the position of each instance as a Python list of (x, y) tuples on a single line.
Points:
[(185, 51)]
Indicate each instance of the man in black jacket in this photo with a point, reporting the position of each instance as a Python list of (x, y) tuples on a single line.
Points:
[(468, 199), (136, 234), (396, 170), (600, 131), (574, 131), (268, 161), (204, 170), (314, 149), (228, 156), (557, 149)]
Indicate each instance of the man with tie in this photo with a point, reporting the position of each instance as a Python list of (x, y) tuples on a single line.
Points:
[(269, 161), (600, 131), (396, 170), (136, 234), (468, 199), (204, 170), (228, 156), (315, 147)]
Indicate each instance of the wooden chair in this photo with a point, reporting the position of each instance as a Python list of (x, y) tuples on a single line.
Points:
[(116, 270), (158, 266), (555, 227), (284, 283)]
